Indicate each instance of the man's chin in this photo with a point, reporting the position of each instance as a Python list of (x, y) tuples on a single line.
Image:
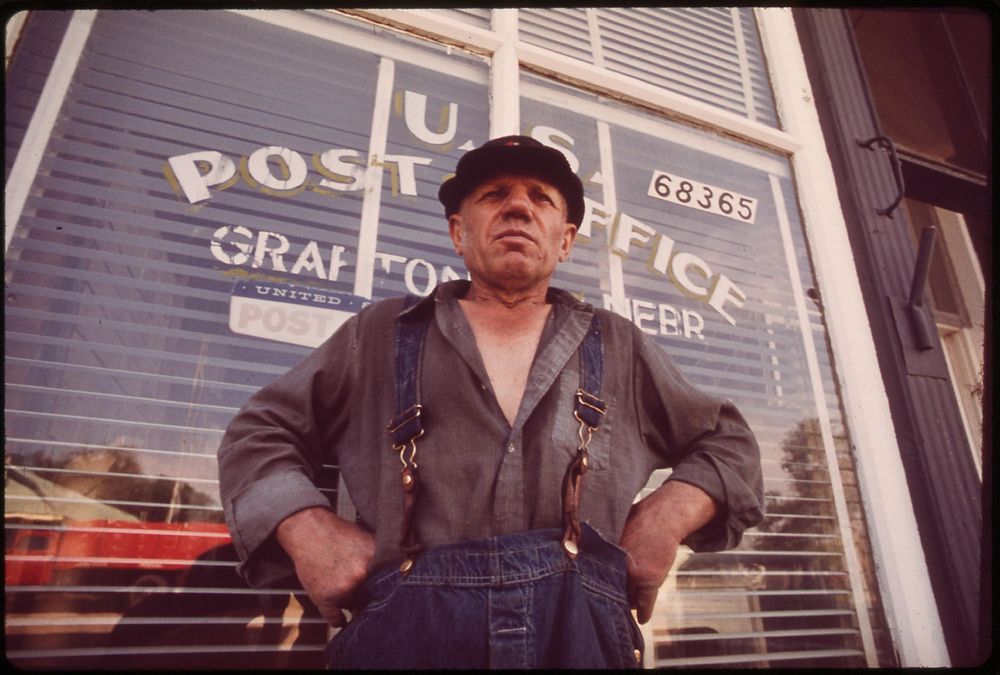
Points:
[(520, 275)]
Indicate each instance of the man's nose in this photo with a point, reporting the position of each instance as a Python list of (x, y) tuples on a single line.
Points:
[(518, 204)]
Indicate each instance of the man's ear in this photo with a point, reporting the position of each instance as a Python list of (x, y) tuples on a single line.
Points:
[(569, 236), (455, 230)]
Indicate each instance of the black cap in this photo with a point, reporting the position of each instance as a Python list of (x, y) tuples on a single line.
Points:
[(518, 155)]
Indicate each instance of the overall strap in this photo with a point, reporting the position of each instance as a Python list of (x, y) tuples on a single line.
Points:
[(406, 427), (589, 409)]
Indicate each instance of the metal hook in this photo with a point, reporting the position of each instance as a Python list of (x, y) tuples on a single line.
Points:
[(413, 453), (897, 171), (584, 442)]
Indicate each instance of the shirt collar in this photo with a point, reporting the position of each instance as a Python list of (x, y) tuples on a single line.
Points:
[(451, 291)]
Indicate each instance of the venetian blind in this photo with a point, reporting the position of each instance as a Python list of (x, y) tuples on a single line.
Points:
[(475, 16), (126, 353), (711, 54), (791, 594)]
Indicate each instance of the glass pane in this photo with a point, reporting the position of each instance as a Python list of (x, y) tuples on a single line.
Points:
[(562, 30), (907, 56), (705, 237), (195, 217), (711, 54), (435, 119), (477, 16)]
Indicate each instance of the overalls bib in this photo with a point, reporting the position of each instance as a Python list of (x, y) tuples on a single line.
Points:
[(548, 598)]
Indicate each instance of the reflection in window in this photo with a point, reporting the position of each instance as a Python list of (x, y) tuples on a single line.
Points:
[(787, 595), (122, 364)]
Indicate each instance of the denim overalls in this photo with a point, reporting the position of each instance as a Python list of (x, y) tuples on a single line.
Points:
[(549, 598)]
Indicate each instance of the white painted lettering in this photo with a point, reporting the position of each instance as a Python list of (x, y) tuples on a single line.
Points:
[(659, 257), (668, 320), (408, 274), (628, 229), (693, 323), (594, 214), (448, 274), (277, 263), (341, 170), (292, 166), (309, 261), (404, 179), (387, 259), (642, 310), (723, 291), (336, 262), (559, 140), (244, 246), (415, 114), (194, 183), (679, 267)]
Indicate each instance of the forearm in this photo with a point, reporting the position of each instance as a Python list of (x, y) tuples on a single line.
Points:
[(273, 450), (331, 557), (707, 443), (319, 530), (680, 508), (655, 528)]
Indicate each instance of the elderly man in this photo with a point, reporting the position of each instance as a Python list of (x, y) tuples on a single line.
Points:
[(493, 437)]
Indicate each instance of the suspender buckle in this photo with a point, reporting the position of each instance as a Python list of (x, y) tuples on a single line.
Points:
[(406, 426), (405, 429)]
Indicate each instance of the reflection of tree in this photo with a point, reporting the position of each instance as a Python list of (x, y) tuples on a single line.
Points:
[(113, 475), (801, 507), (805, 508)]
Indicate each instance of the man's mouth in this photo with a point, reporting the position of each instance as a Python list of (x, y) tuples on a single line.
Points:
[(515, 234)]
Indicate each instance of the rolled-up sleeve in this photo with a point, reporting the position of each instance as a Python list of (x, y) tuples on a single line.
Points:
[(274, 447), (707, 443)]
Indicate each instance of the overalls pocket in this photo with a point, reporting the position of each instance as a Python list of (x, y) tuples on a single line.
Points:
[(377, 592)]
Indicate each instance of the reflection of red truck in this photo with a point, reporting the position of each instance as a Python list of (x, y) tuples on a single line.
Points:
[(40, 554)]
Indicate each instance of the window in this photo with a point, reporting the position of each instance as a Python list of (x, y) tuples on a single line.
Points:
[(198, 171), (200, 219)]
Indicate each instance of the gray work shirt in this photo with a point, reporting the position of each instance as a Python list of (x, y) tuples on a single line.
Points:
[(480, 475)]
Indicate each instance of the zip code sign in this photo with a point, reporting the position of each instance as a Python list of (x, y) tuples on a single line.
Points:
[(695, 195)]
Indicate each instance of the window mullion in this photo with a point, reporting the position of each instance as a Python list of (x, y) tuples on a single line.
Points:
[(505, 93)]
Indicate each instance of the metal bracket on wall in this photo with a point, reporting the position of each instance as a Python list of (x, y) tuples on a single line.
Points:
[(914, 328), (897, 170), (925, 362)]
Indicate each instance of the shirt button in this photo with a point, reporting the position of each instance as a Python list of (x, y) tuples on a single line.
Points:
[(510, 447)]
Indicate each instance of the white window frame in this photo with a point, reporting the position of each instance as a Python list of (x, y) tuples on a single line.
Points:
[(963, 345)]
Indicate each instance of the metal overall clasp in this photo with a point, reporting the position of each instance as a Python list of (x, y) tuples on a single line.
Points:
[(588, 413), (405, 430)]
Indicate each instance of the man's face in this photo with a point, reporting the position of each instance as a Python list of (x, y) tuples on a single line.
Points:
[(512, 230)]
